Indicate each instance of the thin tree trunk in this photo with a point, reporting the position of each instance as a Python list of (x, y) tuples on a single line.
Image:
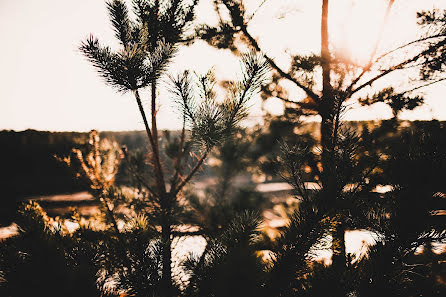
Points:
[(165, 201), (326, 108), (166, 233), (179, 156), (328, 173), (153, 110), (328, 113), (158, 169), (327, 103), (166, 206), (167, 261), (156, 150), (325, 51), (339, 258)]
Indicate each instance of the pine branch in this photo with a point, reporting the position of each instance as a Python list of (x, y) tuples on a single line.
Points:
[(111, 215), (107, 63), (211, 121), (120, 20), (306, 228), (159, 59), (293, 160), (255, 69), (183, 91)]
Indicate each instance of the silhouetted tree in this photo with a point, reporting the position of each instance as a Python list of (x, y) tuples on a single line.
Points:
[(331, 80), (147, 44)]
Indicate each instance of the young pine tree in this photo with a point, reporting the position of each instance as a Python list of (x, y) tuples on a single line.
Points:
[(330, 79), (148, 43)]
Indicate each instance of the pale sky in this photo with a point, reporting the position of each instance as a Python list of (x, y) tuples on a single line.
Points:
[(46, 84)]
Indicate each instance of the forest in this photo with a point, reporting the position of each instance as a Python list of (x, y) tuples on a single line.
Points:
[(302, 203)]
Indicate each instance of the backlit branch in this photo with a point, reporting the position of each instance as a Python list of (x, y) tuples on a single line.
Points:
[(375, 48), (273, 64), (191, 173), (399, 66), (136, 174)]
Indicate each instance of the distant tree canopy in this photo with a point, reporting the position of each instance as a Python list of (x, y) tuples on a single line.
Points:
[(30, 165), (27, 158)]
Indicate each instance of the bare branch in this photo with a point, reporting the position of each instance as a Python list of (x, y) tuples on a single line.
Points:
[(273, 64), (191, 173), (370, 64), (255, 12), (425, 85), (399, 66), (409, 44), (136, 174), (375, 48)]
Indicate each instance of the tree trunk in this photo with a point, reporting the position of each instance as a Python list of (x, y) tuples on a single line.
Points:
[(328, 113), (330, 190), (327, 103), (339, 259), (166, 280), (166, 237), (328, 177)]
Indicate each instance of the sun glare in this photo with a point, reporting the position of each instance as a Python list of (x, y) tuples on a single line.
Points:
[(356, 26)]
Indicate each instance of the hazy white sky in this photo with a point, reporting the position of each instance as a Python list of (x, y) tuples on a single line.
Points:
[(46, 84)]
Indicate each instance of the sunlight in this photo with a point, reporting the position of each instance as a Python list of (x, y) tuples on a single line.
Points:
[(356, 27)]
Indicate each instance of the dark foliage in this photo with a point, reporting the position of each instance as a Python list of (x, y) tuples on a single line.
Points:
[(43, 261), (229, 265)]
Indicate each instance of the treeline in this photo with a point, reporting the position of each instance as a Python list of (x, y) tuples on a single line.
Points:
[(29, 165)]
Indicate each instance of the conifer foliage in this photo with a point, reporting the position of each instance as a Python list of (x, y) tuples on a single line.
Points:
[(330, 80), (132, 254), (147, 45)]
